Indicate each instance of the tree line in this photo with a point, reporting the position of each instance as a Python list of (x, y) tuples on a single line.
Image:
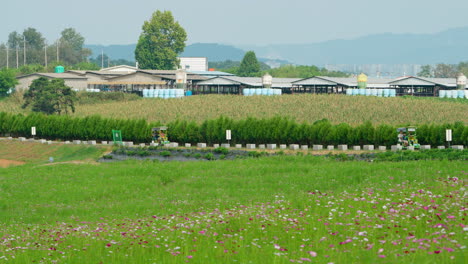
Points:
[(29, 52), (277, 130), (31, 48), (442, 70), (251, 67)]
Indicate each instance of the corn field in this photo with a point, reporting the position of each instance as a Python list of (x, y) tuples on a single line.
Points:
[(353, 110)]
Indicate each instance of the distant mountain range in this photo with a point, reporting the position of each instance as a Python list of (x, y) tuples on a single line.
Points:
[(213, 51), (450, 46)]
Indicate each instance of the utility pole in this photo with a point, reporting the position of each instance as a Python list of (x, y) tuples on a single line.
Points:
[(102, 59), (7, 56), (58, 58), (24, 50), (17, 56), (45, 55)]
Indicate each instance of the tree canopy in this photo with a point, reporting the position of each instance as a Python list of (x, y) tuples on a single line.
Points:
[(442, 70), (249, 65), (71, 46), (161, 41), (7, 81), (303, 71), (70, 49), (50, 96)]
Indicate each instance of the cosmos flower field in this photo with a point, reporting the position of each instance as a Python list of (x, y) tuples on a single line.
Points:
[(270, 210)]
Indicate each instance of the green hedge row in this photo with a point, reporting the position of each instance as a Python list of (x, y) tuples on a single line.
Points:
[(277, 130), (69, 128), (281, 130)]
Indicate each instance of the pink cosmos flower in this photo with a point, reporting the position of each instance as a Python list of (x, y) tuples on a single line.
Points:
[(313, 253), (346, 241), (382, 256)]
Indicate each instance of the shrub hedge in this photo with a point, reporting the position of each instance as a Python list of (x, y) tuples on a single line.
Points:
[(277, 130)]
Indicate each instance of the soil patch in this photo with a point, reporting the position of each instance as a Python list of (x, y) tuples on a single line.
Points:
[(7, 163), (72, 162), (165, 154)]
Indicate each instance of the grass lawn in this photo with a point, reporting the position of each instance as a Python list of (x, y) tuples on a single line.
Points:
[(268, 210), (28, 152)]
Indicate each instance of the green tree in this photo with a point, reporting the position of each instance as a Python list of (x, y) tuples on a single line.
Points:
[(14, 40), (303, 71), (463, 67), (71, 46), (161, 41), (101, 60), (233, 65), (7, 81), (35, 44), (50, 96), (249, 65), (445, 71), (30, 68), (86, 66), (34, 39), (426, 71)]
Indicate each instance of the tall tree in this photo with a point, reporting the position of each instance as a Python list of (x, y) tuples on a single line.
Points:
[(426, 71), (35, 44), (50, 97), (7, 81), (71, 47), (14, 40), (463, 67), (34, 39), (249, 65), (445, 71), (161, 41), (86, 66), (73, 38)]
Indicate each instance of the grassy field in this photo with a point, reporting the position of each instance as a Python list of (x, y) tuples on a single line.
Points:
[(269, 210), (31, 152), (305, 107)]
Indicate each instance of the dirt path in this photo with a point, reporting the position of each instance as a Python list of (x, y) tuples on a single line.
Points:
[(6, 163), (93, 162)]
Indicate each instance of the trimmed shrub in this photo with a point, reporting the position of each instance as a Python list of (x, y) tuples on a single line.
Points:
[(277, 130)]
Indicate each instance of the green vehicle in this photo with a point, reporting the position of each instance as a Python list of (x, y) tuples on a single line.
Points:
[(407, 137)]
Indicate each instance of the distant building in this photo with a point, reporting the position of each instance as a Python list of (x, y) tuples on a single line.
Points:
[(130, 79), (71, 79), (120, 68), (193, 63)]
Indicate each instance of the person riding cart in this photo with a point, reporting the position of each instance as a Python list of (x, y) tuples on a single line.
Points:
[(407, 137), (159, 135)]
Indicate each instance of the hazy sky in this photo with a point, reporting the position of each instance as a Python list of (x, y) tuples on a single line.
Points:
[(237, 22)]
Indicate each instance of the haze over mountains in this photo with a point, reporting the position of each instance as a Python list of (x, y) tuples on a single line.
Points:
[(450, 46)]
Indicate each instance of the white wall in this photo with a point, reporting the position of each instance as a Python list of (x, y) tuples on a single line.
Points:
[(194, 63)]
